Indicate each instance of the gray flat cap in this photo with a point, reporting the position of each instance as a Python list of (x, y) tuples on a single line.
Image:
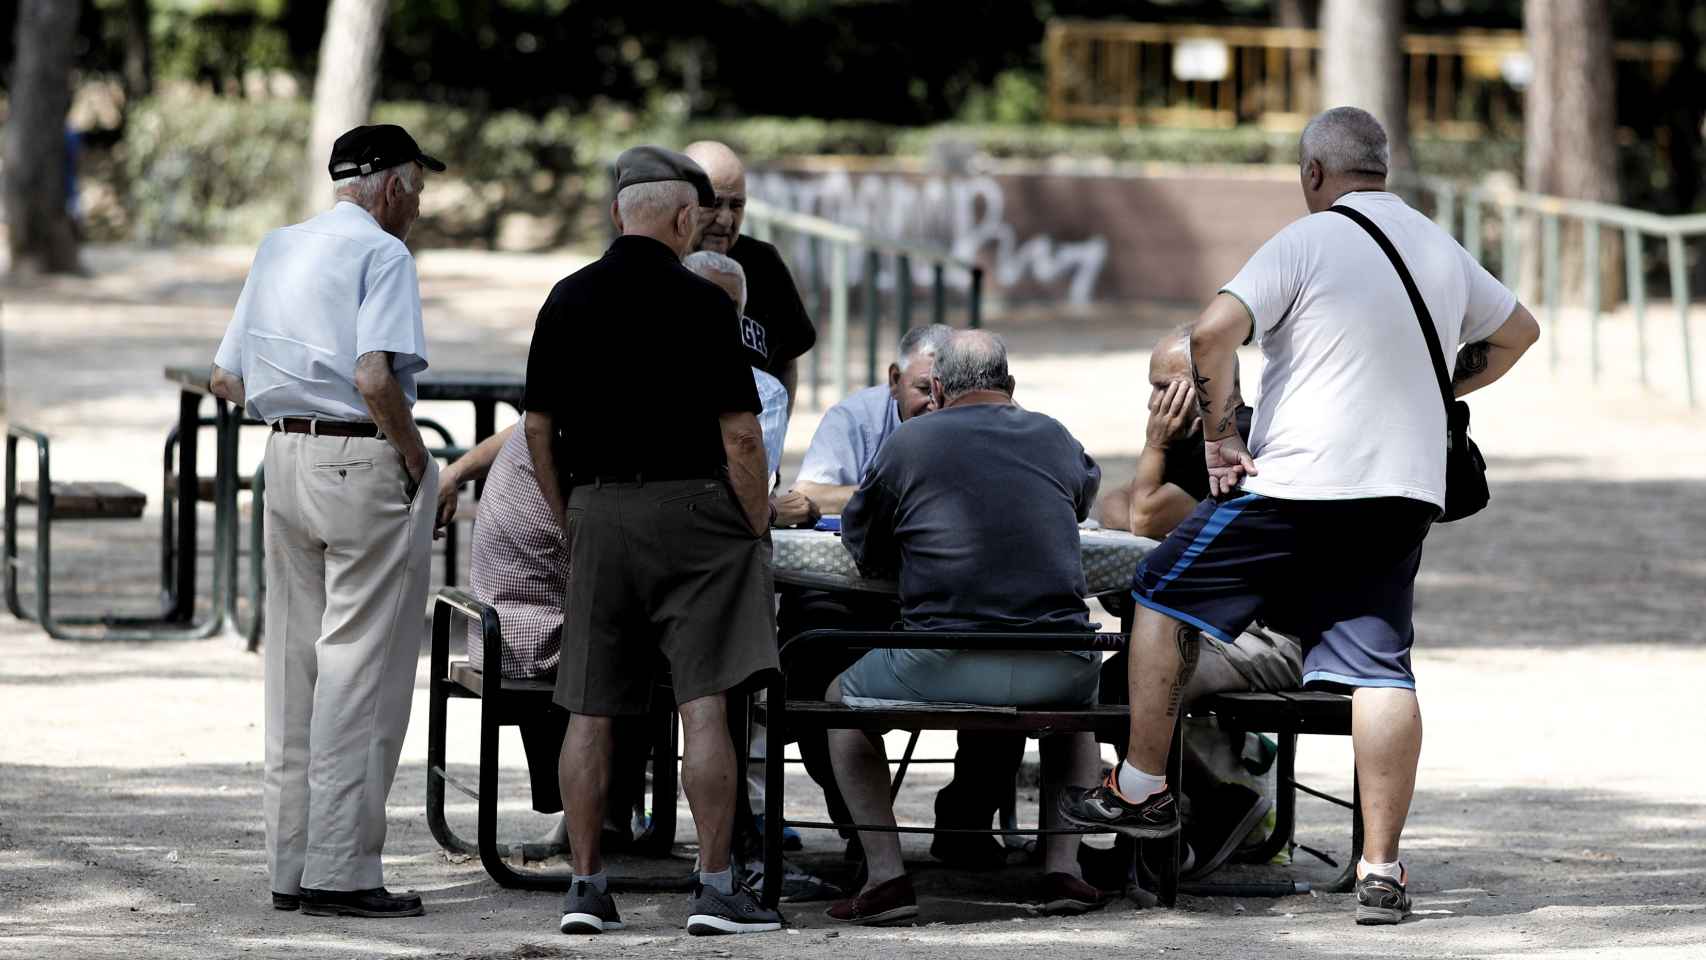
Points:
[(654, 164)]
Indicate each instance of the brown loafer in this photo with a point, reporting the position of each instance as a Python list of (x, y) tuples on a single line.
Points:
[(888, 904), (1062, 894)]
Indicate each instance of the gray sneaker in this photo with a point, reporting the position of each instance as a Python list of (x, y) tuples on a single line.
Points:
[(713, 913), (1382, 900), (585, 910)]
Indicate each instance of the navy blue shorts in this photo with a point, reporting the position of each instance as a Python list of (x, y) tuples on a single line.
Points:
[(1338, 574)]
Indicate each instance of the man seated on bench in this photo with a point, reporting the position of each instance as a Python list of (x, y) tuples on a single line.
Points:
[(842, 450), (1171, 479), (977, 507)]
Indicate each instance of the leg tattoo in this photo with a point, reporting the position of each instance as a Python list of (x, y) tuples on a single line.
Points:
[(1188, 640)]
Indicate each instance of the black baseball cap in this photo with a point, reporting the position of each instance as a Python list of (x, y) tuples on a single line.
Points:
[(655, 164), (377, 146)]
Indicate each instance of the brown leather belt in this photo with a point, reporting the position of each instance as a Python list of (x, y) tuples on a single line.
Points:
[(325, 428)]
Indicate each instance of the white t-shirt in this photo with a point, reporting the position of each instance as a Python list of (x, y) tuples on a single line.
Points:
[(320, 294), (1349, 405)]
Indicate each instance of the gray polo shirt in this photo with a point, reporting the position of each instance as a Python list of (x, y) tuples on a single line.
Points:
[(848, 437), (977, 507)]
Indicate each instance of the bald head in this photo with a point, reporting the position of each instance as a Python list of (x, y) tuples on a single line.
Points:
[(1171, 358), (720, 226)]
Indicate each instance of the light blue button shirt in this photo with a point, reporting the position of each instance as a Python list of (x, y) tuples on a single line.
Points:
[(847, 440), (773, 418), (319, 295)]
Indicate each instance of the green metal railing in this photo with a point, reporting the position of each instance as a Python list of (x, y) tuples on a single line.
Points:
[(831, 260), (1516, 213)]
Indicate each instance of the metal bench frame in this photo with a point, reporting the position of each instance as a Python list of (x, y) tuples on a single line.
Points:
[(1287, 714), (785, 718), (59, 627), (505, 702)]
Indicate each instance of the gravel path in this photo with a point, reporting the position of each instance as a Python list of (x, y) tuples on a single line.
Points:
[(1560, 811)]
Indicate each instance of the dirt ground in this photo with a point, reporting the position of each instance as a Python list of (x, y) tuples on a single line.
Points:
[(1561, 646)]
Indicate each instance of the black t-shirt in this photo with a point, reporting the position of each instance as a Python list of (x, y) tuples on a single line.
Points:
[(635, 357), (776, 328), (1186, 468)]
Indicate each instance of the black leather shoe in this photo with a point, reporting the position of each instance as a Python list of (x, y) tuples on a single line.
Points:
[(286, 901), (377, 902)]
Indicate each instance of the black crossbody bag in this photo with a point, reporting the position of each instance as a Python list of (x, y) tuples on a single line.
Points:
[(1465, 471)]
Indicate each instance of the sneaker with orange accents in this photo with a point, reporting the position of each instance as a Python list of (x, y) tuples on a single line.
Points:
[(1382, 899), (1103, 807)]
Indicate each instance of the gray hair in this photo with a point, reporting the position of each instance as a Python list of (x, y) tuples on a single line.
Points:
[(972, 360), (363, 191), (923, 341), (711, 264), (1345, 140), (647, 203)]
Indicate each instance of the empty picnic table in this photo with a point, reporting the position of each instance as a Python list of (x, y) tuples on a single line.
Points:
[(484, 389)]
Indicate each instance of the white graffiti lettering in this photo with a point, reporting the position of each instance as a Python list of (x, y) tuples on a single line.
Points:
[(967, 215)]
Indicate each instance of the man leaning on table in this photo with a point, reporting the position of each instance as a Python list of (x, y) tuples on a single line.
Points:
[(324, 346)]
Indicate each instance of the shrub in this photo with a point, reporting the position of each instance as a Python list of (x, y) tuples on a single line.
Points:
[(195, 167)]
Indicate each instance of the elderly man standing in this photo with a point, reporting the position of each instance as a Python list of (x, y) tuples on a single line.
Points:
[(666, 513), (324, 346), (774, 327), (1343, 477)]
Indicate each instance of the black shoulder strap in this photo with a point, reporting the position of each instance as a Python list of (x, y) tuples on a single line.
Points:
[(1441, 372)]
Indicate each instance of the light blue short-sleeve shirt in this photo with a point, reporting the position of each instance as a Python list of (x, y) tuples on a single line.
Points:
[(847, 440), (319, 295), (772, 418)]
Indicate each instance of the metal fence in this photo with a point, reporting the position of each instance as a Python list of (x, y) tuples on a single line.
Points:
[(1464, 212), (834, 264)]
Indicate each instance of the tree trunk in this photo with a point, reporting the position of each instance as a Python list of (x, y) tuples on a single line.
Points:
[(1296, 14), (1570, 123), (39, 229), (343, 88), (1362, 65), (138, 51)]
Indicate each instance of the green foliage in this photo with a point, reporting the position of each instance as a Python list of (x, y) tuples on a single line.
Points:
[(205, 168), (1016, 96)]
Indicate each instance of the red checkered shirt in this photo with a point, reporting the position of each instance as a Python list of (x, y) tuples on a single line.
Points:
[(520, 566)]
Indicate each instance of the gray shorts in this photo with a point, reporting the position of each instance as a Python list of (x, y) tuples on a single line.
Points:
[(997, 678), (662, 571)]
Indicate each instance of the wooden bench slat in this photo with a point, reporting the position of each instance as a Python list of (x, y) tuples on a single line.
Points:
[(88, 499), (925, 716), (1286, 711)]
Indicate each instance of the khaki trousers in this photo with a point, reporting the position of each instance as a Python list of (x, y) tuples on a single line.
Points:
[(347, 560)]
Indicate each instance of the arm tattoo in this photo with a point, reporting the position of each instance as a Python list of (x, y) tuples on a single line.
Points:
[(1203, 404), (1188, 639), (1225, 423), (1471, 360)]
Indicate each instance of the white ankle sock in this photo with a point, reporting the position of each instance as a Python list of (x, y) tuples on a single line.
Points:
[(1395, 869), (1136, 785)]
